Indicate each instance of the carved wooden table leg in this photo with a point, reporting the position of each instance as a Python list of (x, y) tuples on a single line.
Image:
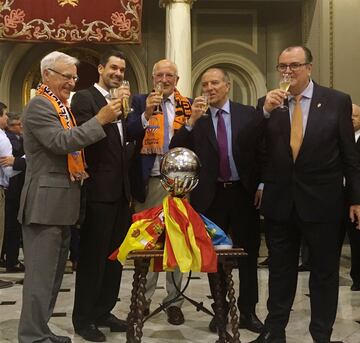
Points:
[(142, 265), (234, 319), (133, 304), (219, 307)]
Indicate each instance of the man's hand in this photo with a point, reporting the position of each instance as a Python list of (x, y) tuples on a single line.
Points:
[(354, 214), (110, 112), (274, 99), (153, 99), (197, 110), (7, 161), (258, 198)]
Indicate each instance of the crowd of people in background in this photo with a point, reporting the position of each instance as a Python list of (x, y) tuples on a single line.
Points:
[(292, 158)]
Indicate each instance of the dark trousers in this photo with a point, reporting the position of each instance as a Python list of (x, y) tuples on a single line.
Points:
[(284, 243), (12, 236), (97, 278), (233, 211)]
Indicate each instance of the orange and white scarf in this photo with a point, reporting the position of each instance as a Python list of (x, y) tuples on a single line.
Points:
[(153, 142), (75, 159)]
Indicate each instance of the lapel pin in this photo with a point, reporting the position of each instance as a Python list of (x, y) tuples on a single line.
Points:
[(319, 105)]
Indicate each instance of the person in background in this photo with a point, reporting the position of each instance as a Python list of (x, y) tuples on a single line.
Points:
[(147, 189), (12, 238), (50, 198)]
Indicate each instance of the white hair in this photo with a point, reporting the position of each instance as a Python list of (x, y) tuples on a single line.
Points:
[(49, 61), (165, 61)]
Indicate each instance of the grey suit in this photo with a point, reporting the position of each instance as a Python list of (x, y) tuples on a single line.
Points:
[(49, 204)]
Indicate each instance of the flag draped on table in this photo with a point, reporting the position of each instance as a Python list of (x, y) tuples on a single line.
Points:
[(187, 243)]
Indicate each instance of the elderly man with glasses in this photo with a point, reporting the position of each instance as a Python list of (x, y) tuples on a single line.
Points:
[(310, 148), (50, 199)]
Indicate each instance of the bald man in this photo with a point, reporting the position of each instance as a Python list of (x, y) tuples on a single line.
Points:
[(146, 188)]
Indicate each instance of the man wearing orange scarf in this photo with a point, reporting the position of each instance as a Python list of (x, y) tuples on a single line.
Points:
[(155, 135), (50, 199)]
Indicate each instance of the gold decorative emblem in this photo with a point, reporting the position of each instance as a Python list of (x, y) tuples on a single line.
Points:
[(72, 3)]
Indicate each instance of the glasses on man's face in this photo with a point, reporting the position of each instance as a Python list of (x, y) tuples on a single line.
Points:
[(66, 76), (166, 75), (282, 67)]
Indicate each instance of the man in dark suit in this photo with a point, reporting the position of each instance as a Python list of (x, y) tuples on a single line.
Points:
[(226, 141), (50, 198), (12, 236), (107, 214), (310, 148), (146, 187)]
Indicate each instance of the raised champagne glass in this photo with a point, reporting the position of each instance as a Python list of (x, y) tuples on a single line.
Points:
[(159, 88), (114, 94), (206, 102), (284, 84), (126, 109)]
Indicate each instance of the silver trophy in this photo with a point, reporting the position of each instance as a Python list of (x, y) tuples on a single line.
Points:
[(179, 171)]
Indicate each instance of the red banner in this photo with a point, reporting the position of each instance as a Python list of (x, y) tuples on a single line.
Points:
[(71, 21)]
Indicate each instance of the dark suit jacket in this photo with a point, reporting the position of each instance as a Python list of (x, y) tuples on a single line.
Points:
[(108, 181), (143, 164), (314, 183), (246, 127), (16, 182)]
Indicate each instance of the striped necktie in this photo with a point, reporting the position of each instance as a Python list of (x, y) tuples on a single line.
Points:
[(166, 126)]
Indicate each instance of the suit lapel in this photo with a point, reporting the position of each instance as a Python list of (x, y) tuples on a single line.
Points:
[(209, 129)]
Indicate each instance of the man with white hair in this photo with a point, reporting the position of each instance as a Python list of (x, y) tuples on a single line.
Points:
[(50, 199)]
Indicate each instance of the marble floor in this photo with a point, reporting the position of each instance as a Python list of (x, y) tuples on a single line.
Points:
[(195, 329)]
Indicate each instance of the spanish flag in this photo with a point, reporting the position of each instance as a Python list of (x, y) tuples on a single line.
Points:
[(187, 243)]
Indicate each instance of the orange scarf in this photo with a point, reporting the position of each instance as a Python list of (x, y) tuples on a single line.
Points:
[(153, 142), (76, 159)]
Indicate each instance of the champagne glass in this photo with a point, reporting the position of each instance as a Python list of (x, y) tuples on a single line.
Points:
[(114, 94), (125, 100), (159, 88), (284, 85), (204, 107)]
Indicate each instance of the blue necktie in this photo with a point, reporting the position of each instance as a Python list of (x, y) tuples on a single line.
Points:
[(224, 164), (166, 126)]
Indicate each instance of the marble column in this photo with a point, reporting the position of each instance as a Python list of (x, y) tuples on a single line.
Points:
[(178, 40)]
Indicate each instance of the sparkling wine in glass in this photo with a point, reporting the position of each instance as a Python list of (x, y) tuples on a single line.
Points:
[(204, 107), (159, 88), (125, 100), (114, 94), (284, 85)]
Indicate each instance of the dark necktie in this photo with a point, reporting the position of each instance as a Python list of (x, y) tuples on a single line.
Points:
[(166, 126), (224, 167)]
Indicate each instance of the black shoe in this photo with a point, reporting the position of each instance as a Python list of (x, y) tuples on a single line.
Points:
[(18, 268), (91, 333), (115, 324), (251, 322), (175, 315), (5, 284), (355, 287), (267, 337), (60, 339), (212, 325), (304, 268)]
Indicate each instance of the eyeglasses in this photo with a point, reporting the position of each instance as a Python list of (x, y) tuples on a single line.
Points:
[(167, 75), (66, 76), (293, 66)]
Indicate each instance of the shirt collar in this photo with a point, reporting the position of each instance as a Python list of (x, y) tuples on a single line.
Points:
[(307, 92), (103, 91), (225, 108)]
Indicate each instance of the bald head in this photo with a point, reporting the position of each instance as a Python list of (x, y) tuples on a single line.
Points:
[(356, 117), (165, 71)]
